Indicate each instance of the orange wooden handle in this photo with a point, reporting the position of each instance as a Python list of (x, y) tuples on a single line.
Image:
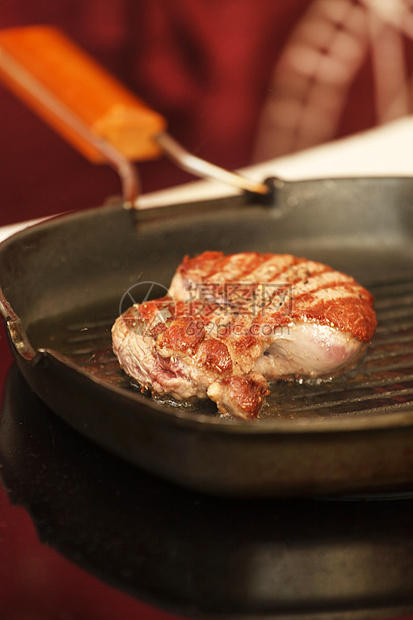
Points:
[(76, 96)]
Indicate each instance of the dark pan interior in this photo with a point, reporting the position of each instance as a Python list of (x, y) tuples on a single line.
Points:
[(66, 279)]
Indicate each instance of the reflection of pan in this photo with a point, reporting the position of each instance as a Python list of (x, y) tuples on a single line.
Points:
[(197, 555), (62, 284)]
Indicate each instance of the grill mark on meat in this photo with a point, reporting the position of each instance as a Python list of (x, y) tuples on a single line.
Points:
[(307, 300), (263, 317), (272, 268), (317, 303), (297, 278), (283, 263), (325, 280), (299, 270), (215, 262), (324, 295), (233, 267), (255, 263), (282, 269), (218, 267)]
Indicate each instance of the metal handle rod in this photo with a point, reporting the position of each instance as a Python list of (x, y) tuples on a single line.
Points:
[(202, 168)]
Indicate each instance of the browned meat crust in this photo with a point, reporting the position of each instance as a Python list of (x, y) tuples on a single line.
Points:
[(233, 323)]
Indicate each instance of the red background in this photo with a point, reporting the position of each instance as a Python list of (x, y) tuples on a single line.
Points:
[(223, 53)]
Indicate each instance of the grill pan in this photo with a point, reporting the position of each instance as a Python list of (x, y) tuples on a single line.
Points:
[(64, 282)]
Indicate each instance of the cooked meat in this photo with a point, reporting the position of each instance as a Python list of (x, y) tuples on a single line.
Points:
[(231, 324), (241, 395)]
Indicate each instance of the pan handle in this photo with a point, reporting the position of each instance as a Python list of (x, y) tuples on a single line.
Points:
[(93, 111), (80, 100), (50, 73)]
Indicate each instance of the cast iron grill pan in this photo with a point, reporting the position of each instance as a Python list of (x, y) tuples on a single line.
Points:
[(65, 278)]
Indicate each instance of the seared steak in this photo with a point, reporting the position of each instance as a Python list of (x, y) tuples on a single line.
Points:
[(231, 324)]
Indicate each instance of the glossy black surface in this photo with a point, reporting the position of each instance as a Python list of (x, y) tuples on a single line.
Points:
[(198, 555)]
